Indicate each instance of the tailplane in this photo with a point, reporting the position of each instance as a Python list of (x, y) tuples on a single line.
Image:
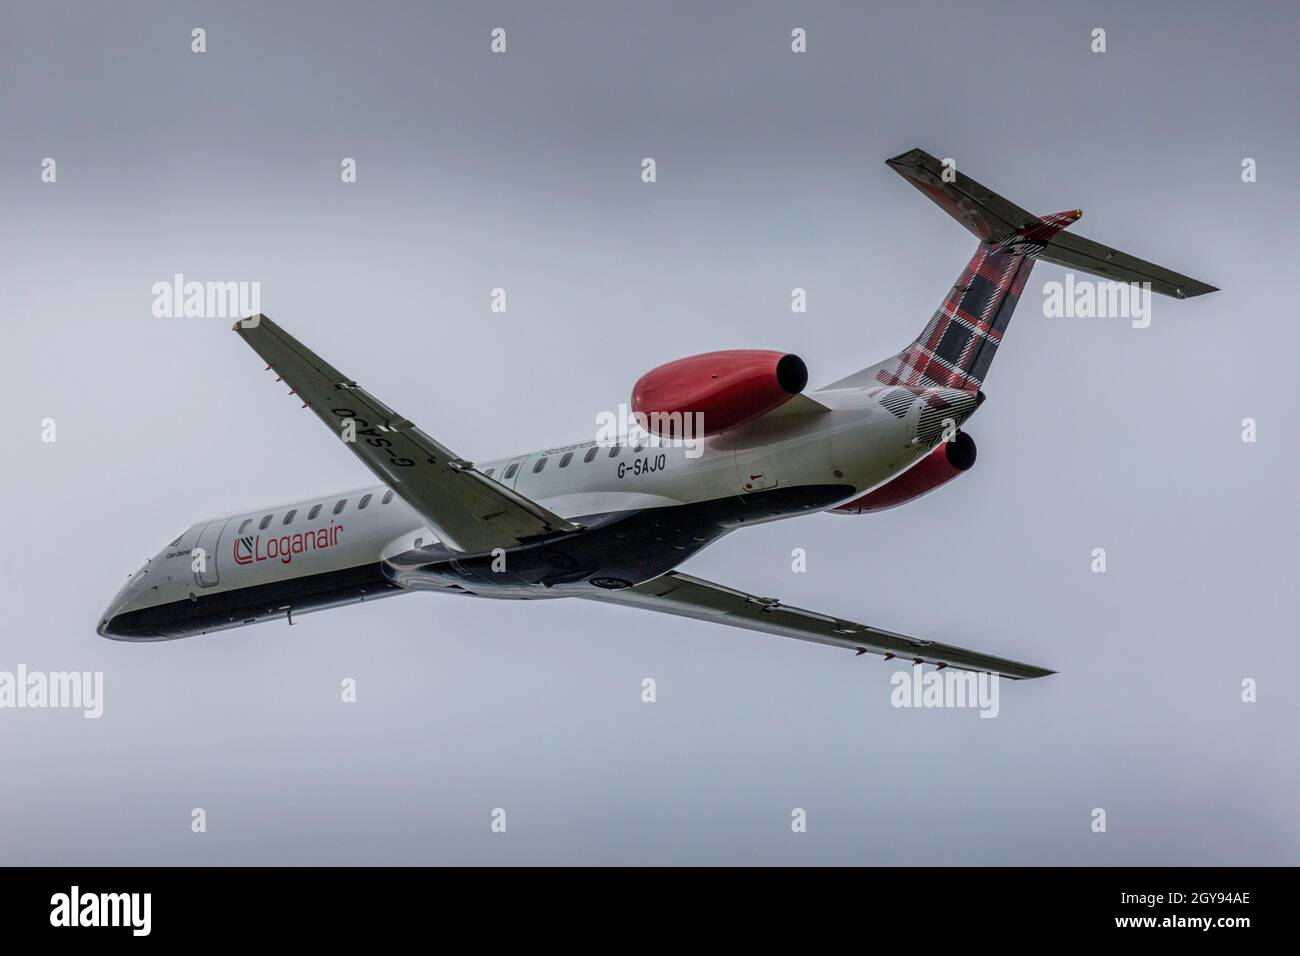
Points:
[(958, 344)]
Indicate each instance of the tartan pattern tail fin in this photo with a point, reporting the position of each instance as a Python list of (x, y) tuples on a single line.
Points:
[(957, 345), (959, 342)]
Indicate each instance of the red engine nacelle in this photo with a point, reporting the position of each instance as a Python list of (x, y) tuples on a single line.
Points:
[(727, 388), (937, 468)]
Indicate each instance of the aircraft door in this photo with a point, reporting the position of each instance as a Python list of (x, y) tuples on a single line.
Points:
[(209, 541), (510, 478)]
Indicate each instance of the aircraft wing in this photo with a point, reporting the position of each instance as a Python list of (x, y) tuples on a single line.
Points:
[(469, 511), (686, 596)]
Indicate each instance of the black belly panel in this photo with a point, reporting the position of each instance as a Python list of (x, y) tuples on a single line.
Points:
[(222, 609), (614, 551)]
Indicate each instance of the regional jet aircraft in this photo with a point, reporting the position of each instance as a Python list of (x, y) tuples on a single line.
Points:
[(612, 521)]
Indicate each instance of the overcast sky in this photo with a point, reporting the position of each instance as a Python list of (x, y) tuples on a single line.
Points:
[(522, 171)]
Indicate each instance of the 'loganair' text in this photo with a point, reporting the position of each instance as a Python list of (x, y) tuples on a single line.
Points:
[(253, 548)]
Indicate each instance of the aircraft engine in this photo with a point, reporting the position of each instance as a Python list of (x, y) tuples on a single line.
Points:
[(724, 389), (939, 467)]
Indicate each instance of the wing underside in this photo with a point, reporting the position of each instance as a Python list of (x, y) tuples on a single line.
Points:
[(469, 511), (686, 596)]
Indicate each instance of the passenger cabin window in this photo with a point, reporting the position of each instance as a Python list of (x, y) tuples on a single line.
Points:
[(311, 515), (265, 521), (339, 507), (386, 499), (510, 472), (568, 457), (242, 527), (418, 542), (591, 453), (613, 452), (289, 516), (541, 463), (365, 500)]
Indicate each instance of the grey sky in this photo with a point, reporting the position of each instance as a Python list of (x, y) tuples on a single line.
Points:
[(522, 171)]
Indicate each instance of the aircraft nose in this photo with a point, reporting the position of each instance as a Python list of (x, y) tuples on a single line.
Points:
[(120, 621), (112, 623), (123, 625)]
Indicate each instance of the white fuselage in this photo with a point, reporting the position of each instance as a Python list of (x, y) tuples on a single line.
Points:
[(355, 545)]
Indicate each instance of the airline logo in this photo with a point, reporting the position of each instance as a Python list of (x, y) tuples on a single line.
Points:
[(253, 548)]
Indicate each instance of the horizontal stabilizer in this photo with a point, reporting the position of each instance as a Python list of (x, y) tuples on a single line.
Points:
[(995, 219), (1075, 252)]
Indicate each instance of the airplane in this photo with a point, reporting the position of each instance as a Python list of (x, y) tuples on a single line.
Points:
[(612, 521)]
